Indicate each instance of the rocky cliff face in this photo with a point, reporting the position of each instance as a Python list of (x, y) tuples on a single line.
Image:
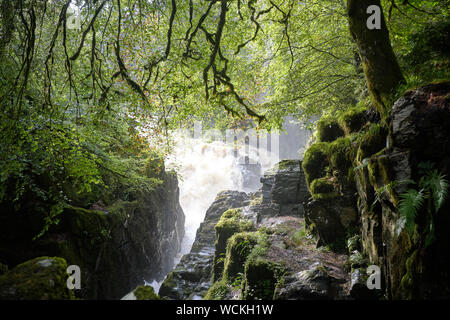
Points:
[(191, 277), (358, 178), (116, 247), (362, 182), (419, 136), (255, 246)]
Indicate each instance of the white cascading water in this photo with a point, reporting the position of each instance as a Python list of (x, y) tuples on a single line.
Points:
[(205, 169)]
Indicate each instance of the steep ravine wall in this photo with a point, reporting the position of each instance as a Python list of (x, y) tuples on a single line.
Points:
[(117, 247)]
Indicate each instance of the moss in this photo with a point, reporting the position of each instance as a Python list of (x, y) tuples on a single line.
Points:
[(286, 164), (328, 129), (256, 201), (323, 188), (145, 293), (315, 161), (239, 247), (260, 279), (410, 280), (218, 291), (372, 141), (230, 222), (169, 285), (340, 154), (353, 119), (341, 159), (87, 223), (42, 278)]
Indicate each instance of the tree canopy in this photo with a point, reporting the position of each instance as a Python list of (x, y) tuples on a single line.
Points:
[(77, 102)]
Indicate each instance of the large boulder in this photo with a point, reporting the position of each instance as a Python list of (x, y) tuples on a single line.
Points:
[(43, 278), (332, 220), (284, 188)]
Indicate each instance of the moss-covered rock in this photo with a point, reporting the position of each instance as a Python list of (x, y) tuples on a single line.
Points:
[(230, 222), (323, 188), (328, 129), (218, 291), (260, 278), (353, 119), (372, 141), (315, 162), (145, 293), (238, 248), (340, 153), (43, 278)]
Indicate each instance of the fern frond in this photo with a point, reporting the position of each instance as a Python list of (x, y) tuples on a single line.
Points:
[(410, 203), (438, 185)]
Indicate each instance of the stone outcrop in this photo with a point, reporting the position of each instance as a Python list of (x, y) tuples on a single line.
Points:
[(419, 134), (191, 277), (259, 248), (332, 220), (42, 278)]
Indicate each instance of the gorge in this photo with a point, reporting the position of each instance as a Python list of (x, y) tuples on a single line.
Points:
[(224, 150)]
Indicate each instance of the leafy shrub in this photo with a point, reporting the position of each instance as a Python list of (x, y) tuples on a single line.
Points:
[(433, 189)]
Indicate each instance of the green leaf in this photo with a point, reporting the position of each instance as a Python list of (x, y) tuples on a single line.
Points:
[(410, 203)]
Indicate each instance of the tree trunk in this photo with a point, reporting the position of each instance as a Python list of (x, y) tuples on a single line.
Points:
[(379, 63)]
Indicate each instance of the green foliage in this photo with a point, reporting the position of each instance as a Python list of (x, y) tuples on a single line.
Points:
[(433, 192), (410, 203), (427, 50)]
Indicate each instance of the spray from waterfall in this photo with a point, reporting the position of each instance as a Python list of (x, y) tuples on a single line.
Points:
[(207, 167)]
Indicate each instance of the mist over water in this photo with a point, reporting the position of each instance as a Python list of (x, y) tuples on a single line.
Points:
[(206, 168)]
